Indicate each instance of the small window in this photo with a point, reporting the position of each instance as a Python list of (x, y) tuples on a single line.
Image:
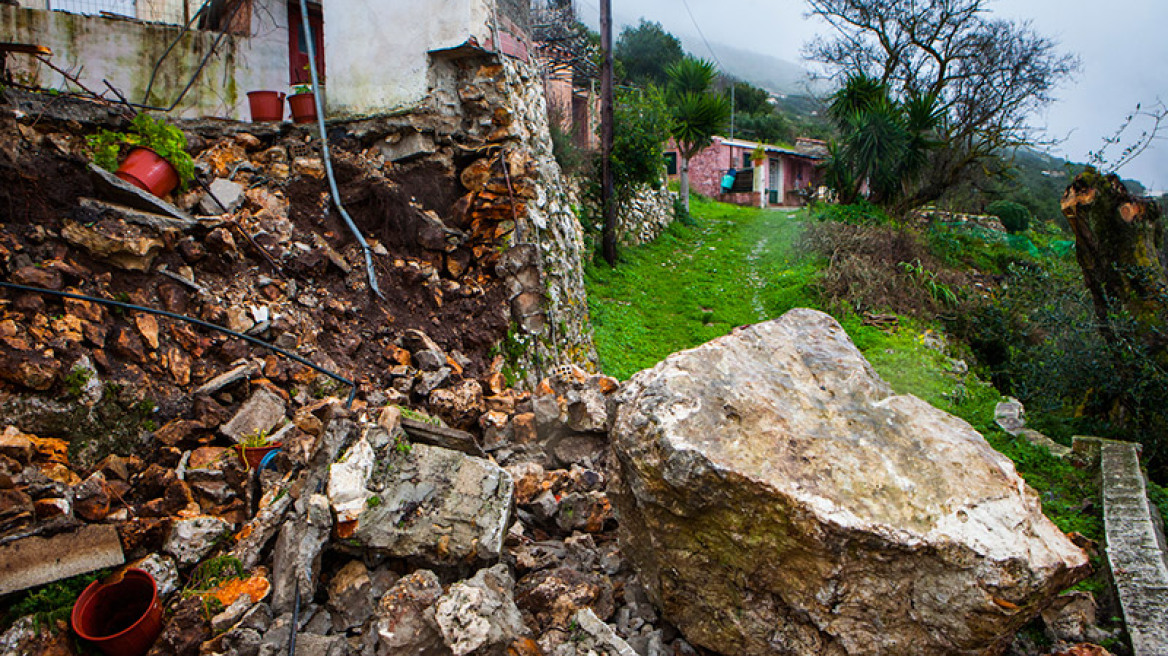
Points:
[(746, 163), (671, 163)]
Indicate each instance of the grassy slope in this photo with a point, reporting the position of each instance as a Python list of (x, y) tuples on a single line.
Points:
[(691, 285), (698, 282)]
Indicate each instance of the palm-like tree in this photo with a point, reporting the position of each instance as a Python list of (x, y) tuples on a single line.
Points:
[(883, 143), (697, 112)]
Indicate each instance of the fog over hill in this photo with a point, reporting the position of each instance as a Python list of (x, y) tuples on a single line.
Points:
[(777, 75)]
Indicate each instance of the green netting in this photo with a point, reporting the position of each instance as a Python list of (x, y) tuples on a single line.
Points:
[(1023, 243)]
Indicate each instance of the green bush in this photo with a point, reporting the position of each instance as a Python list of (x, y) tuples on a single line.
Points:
[(640, 130), (572, 159), (1015, 217), (1042, 342)]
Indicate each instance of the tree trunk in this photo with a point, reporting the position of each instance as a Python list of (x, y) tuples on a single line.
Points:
[(1117, 239), (684, 180)]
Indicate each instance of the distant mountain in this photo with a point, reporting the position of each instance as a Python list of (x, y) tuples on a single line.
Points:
[(778, 76)]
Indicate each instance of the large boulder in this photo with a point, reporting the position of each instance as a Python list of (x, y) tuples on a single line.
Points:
[(777, 497)]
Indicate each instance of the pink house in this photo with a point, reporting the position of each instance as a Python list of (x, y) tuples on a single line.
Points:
[(776, 182)]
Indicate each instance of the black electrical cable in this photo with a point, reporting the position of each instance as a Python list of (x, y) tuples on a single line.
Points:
[(197, 322)]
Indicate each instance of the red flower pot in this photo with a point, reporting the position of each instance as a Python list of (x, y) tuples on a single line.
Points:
[(122, 618), (253, 455), (266, 105), (303, 107), (148, 171)]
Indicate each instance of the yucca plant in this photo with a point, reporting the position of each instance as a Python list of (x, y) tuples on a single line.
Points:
[(698, 113)]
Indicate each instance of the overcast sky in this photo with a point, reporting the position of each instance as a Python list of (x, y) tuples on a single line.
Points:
[(1123, 45)]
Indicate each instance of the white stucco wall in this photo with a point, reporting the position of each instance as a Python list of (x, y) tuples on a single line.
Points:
[(124, 52), (377, 50)]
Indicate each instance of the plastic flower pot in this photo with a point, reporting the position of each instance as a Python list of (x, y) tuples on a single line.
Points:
[(303, 107), (254, 455), (266, 105), (148, 171), (122, 618)]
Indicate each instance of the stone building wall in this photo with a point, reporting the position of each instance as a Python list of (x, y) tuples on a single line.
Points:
[(645, 215)]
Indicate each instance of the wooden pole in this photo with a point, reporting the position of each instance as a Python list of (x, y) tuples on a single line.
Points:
[(607, 202)]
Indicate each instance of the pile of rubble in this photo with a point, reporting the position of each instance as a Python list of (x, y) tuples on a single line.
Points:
[(380, 530)]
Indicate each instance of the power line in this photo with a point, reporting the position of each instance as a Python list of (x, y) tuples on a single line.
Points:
[(702, 34), (716, 60)]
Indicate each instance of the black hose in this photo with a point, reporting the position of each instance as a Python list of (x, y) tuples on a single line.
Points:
[(306, 26), (197, 322)]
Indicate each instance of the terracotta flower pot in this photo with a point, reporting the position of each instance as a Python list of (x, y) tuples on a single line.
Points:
[(266, 105), (148, 171), (254, 455), (122, 618), (303, 107)]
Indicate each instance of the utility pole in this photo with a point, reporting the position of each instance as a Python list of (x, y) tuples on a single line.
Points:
[(733, 84), (607, 202)]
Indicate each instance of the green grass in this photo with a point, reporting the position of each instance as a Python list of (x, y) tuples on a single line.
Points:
[(693, 284)]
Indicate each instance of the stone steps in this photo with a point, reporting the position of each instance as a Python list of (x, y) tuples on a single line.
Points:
[(1135, 549)]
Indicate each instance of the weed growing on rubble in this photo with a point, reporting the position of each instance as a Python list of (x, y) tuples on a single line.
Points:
[(50, 604), (419, 416), (76, 381)]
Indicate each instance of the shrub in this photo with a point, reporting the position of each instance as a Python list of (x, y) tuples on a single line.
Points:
[(572, 159), (861, 213), (163, 138), (881, 268), (1042, 343), (1015, 217), (640, 130)]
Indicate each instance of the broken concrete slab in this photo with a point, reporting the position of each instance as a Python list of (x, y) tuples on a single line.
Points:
[(406, 147), (441, 436), (438, 505), (158, 222), (258, 416), (297, 552), (37, 560), (1135, 549), (191, 538), (123, 246), (120, 191), (479, 615)]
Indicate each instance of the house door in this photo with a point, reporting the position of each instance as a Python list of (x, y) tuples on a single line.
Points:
[(298, 46), (775, 181)]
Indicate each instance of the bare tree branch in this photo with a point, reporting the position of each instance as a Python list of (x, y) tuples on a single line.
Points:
[(990, 75)]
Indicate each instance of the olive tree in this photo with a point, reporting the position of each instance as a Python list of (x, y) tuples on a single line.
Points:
[(989, 75)]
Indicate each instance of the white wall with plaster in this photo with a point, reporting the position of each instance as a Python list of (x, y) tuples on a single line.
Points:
[(125, 53), (377, 50)]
